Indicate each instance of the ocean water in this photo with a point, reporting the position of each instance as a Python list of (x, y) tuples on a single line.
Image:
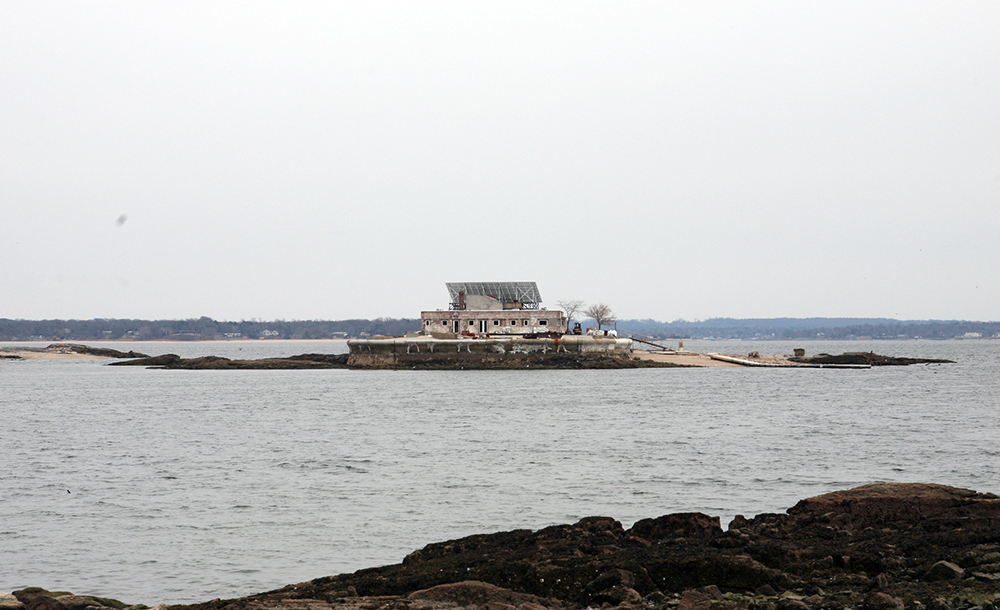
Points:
[(182, 486)]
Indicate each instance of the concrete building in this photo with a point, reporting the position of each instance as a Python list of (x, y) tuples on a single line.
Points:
[(493, 308)]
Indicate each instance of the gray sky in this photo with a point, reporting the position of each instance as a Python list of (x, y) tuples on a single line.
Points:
[(329, 160)]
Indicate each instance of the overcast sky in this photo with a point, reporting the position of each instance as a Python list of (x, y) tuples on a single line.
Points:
[(324, 160)]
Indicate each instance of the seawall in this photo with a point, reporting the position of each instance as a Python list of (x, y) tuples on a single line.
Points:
[(379, 351)]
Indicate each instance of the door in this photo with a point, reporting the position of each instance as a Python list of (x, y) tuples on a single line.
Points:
[(482, 326)]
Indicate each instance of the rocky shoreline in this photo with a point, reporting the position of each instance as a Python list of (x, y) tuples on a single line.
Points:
[(638, 359), (531, 361), (866, 358), (889, 546), (340, 361)]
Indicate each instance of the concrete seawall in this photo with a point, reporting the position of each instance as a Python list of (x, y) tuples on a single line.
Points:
[(457, 348)]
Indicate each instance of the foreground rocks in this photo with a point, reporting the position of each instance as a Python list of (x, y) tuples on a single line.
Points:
[(34, 598), (877, 547)]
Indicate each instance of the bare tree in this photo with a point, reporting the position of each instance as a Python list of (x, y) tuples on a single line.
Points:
[(571, 308), (601, 314)]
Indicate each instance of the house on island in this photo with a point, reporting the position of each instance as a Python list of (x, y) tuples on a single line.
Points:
[(487, 324), (493, 308)]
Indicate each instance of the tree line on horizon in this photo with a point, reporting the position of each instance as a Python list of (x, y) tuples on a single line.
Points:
[(197, 329), (205, 328)]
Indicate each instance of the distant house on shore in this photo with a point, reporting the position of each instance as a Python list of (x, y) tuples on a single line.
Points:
[(494, 308)]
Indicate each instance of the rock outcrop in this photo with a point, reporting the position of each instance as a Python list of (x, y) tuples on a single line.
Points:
[(877, 547), (104, 352), (869, 358), (34, 598), (302, 361)]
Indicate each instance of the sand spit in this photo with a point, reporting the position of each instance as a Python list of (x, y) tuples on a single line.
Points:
[(64, 351)]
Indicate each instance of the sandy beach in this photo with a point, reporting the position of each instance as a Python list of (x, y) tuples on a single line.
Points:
[(41, 353), (683, 358), (23, 355)]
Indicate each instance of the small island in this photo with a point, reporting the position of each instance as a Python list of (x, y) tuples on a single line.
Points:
[(527, 361)]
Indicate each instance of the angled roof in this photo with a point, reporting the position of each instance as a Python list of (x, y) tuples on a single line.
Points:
[(525, 293)]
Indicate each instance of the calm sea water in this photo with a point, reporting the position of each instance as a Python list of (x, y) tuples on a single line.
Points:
[(182, 486)]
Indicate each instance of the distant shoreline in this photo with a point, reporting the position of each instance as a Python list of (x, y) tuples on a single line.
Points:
[(746, 329), (19, 342)]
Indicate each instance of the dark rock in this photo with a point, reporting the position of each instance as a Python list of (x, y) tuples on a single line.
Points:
[(303, 361), (765, 590), (712, 591), (612, 578), (655, 598), (737, 522), (881, 581), (472, 593), (991, 557), (944, 570), (695, 600), (881, 601), (86, 602), (790, 603), (869, 358), (600, 524), (616, 596), (165, 360), (35, 598), (678, 525), (898, 503)]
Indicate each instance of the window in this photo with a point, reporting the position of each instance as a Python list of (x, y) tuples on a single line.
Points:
[(513, 322), (472, 322), (444, 322), (496, 322), (543, 322), (427, 323)]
